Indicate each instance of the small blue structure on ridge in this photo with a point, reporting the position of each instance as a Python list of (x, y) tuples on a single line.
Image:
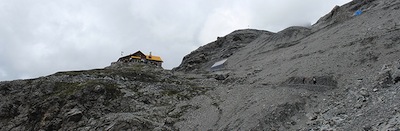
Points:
[(358, 12)]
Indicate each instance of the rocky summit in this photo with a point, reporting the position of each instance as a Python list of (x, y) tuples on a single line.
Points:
[(342, 73)]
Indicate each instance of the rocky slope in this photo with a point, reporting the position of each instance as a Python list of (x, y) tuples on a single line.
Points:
[(354, 61), (201, 59), (120, 97), (343, 73)]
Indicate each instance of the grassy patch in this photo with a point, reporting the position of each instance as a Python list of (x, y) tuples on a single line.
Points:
[(170, 92), (110, 89), (65, 89), (132, 73), (186, 93)]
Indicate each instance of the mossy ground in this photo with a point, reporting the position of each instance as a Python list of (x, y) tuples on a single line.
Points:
[(65, 89), (134, 73)]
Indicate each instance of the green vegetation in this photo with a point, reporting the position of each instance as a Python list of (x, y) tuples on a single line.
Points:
[(170, 92), (136, 72), (185, 92), (65, 89)]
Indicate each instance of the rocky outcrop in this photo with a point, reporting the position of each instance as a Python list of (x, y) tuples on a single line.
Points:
[(203, 58), (137, 97), (346, 12), (271, 82)]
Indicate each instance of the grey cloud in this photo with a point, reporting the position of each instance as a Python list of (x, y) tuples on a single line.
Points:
[(42, 37)]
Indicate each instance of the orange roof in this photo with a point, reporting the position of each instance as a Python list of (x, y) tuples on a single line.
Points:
[(148, 57), (154, 58)]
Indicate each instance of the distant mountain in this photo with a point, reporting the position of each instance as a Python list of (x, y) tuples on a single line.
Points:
[(342, 73)]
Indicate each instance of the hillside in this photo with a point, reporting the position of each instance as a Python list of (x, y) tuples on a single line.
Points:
[(353, 59), (342, 73), (135, 96)]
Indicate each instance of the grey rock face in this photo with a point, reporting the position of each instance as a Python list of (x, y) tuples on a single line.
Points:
[(203, 58), (340, 74), (342, 52), (135, 97)]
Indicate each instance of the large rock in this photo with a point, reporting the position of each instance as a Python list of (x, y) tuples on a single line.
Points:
[(203, 58), (74, 115)]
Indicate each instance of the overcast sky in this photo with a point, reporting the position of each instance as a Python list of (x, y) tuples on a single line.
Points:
[(41, 37)]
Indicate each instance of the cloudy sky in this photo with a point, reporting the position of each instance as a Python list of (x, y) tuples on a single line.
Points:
[(41, 37)]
